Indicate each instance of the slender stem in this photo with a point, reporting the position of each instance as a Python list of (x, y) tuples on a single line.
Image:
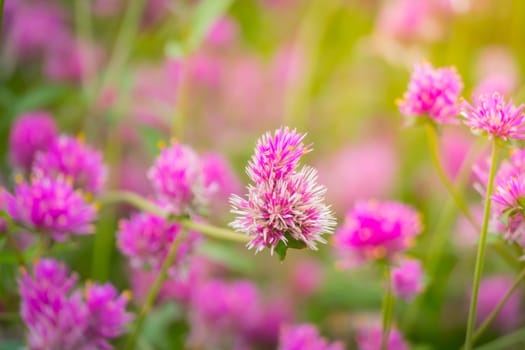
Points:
[(434, 154), (155, 289), (16, 249), (506, 341), (500, 305), (478, 269), (388, 307), (1, 14), (146, 205)]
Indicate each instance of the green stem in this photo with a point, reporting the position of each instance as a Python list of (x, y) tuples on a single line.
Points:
[(478, 269), (500, 305), (505, 342), (154, 290), (434, 154), (1, 14), (15, 248), (146, 205), (387, 309)]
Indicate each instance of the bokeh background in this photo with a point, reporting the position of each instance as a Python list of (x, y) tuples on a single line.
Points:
[(216, 74)]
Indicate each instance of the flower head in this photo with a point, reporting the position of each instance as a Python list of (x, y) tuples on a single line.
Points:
[(58, 317), (146, 239), (283, 203), (369, 338), (492, 115), (305, 337), (509, 207), (71, 157), (375, 230), (31, 132), (432, 92), (407, 279), (177, 177), (52, 206)]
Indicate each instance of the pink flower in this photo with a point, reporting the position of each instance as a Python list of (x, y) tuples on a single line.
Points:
[(282, 203), (223, 32), (31, 132), (433, 93), (72, 158), (305, 337), (369, 338), (491, 115), (377, 230), (491, 291), (407, 279), (508, 207), (51, 206), (178, 179)]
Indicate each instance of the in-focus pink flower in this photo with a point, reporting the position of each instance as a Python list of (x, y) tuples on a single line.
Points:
[(432, 92), (490, 114), (178, 179), (491, 291), (407, 279), (369, 338), (52, 206), (72, 158), (31, 132), (508, 207), (376, 230), (305, 337), (283, 202)]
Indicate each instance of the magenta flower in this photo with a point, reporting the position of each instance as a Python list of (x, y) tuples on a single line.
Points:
[(31, 132), (283, 203), (433, 93), (146, 240), (369, 338), (51, 206), (72, 158), (407, 279), (377, 230), (491, 115), (508, 207), (305, 337), (491, 291), (177, 177), (57, 317)]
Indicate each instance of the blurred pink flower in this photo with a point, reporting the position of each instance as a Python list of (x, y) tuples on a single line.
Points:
[(496, 71), (491, 291), (455, 146), (305, 337), (378, 166), (223, 32), (407, 279), (306, 277), (369, 338)]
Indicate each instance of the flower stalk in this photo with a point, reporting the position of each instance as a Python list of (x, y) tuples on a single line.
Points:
[(387, 309)]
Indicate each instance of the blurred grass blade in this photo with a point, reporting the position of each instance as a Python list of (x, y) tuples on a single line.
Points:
[(505, 342), (206, 13)]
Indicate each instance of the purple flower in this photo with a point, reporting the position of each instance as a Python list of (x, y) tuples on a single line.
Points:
[(283, 203), (177, 177), (433, 93), (146, 239), (305, 337), (491, 115), (369, 338), (51, 206), (72, 158), (376, 230), (407, 279), (107, 314), (31, 132)]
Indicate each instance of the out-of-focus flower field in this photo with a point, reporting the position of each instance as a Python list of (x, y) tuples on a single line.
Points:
[(262, 174)]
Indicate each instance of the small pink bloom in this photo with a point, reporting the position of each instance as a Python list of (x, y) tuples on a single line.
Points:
[(369, 338), (305, 337), (407, 279), (223, 32)]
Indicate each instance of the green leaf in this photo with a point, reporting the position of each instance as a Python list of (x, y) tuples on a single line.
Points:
[(38, 97), (281, 249), (206, 14), (12, 345)]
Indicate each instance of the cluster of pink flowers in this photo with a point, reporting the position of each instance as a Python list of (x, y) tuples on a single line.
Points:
[(369, 338), (377, 230), (305, 336), (283, 203), (59, 317)]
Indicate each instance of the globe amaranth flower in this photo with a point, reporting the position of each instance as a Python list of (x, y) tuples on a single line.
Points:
[(71, 157), (490, 114), (51, 206), (432, 92), (509, 207), (305, 337), (369, 338), (177, 177), (377, 230), (59, 317), (146, 240), (407, 279), (283, 202), (31, 132)]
